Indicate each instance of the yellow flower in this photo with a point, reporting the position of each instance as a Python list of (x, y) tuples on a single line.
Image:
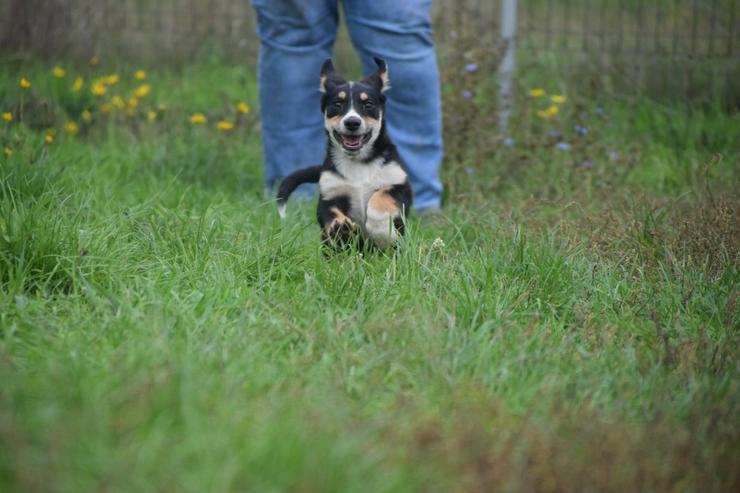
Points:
[(557, 98), (94, 61), (198, 119), (77, 86), (224, 126), (8, 151), (24, 84), (130, 111), (161, 107), (133, 102), (151, 115), (142, 91), (111, 80), (7, 116), (86, 116), (59, 72), (71, 128), (549, 112), (118, 102), (139, 75), (537, 93), (49, 138), (106, 107), (98, 89), (243, 107)]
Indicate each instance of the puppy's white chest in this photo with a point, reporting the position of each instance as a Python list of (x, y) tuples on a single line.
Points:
[(358, 181)]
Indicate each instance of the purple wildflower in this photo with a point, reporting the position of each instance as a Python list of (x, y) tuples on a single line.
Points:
[(581, 130), (563, 146), (471, 67), (467, 94), (600, 111), (613, 155), (508, 141), (588, 164), (469, 171)]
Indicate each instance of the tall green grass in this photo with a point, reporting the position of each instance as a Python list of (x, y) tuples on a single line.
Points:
[(559, 327)]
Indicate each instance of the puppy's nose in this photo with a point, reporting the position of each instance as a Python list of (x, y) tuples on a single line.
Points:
[(352, 123)]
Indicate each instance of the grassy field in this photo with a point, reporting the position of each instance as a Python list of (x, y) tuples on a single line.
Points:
[(570, 323)]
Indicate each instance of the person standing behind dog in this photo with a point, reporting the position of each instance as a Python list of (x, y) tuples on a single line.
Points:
[(298, 35)]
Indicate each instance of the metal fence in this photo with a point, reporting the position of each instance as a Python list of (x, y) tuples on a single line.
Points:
[(675, 48)]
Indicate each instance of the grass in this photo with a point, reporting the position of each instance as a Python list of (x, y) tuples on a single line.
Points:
[(570, 323)]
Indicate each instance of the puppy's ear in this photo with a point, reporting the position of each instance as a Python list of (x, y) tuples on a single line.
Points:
[(329, 76), (380, 78)]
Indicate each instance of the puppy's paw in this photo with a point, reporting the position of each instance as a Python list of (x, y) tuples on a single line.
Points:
[(339, 231), (383, 212)]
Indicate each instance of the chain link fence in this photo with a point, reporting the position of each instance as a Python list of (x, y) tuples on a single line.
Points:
[(678, 49)]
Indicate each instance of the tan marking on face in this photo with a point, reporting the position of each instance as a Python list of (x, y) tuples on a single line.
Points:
[(322, 81), (382, 202), (371, 122), (364, 96), (334, 120), (342, 95)]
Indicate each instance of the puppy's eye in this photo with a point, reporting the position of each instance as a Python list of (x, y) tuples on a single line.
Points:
[(368, 105), (338, 104)]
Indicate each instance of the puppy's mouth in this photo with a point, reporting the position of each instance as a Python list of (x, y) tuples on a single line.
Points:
[(352, 142)]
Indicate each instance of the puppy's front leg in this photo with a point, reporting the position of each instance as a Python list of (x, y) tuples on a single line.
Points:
[(384, 215), (336, 226)]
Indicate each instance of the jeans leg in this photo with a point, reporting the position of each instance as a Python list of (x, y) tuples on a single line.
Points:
[(400, 32), (296, 37)]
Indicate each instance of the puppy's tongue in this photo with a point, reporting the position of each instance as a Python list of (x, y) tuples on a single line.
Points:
[(352, 140)]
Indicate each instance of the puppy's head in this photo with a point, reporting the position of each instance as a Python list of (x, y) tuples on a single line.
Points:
[(353, 111)]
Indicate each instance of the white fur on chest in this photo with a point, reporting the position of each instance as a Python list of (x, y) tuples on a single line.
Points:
[(358, 181)]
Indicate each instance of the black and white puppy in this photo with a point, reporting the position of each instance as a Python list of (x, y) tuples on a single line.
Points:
[(363, 186)]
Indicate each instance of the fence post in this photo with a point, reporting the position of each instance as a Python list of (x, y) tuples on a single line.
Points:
[(508, 63)]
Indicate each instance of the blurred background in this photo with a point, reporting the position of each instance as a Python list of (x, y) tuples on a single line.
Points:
[(674, 49)]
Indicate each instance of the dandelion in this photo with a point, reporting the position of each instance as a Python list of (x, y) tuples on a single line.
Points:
[(151, 115), (7, 116), (8, 152), (118, 102), (71, 128), (59, 72), (98, 89), (550, 112), (467, 94), (111, 80), (537, 93), (563, 146), (106, 108), (24, 84), (142, 91), (49, 138), (243, 107), (133, 103), (557, 98), (78, 83), (198, 119), (94, 61), (139, 75), (86, 116), (471, 67), (225, 126)]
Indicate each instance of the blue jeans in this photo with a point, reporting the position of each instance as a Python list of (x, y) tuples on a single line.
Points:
[(298, 35)]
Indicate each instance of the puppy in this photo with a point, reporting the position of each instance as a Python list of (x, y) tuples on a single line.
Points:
[(363, 186)]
